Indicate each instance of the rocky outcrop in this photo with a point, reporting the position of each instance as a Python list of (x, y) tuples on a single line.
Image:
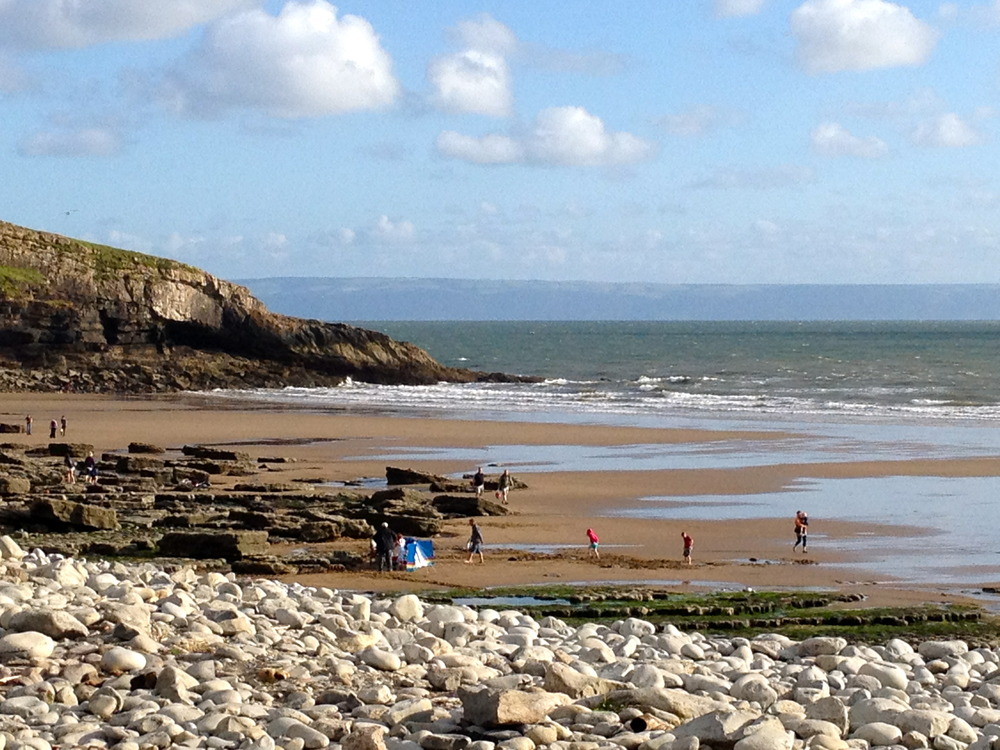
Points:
[(80, 316)]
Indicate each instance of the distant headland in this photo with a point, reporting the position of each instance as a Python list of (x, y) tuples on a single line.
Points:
[(83, 317)]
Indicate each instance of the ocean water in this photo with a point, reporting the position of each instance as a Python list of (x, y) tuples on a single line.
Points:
[(835, 391), (651, 371)]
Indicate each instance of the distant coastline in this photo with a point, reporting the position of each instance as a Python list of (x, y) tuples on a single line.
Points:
[(367, 299)]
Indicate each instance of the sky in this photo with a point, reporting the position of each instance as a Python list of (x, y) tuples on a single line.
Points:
[(667, 141)]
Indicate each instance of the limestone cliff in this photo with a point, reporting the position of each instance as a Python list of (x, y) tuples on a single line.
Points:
[(81, 316)]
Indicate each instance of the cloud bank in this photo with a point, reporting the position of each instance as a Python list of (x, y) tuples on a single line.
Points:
[(58, 24), (560, 136)]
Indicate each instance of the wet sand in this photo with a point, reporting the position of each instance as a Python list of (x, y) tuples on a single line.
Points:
[(543, 542)]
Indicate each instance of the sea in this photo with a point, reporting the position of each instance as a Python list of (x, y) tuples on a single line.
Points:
[(835, 391)]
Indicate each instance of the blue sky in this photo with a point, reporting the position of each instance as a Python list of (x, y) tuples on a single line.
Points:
[(673, 141)]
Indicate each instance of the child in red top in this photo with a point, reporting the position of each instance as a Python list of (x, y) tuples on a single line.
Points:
[(594, 541), (688, 544)]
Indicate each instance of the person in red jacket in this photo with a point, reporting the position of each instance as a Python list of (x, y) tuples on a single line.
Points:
[(594, 542), (688, 546)]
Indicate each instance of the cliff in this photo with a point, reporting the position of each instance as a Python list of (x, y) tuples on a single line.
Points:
[(80, 316)]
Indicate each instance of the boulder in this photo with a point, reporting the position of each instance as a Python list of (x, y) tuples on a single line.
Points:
[(492, 707), (717, 727), (145, 448), (65, 513), (26, 645), (55, 624), (11, 485), (396, 476), (462, 506), (228, 545), (215, 454), (134, 464), (561, 678)]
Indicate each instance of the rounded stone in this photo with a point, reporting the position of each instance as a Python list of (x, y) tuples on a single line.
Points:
[(118, 660), (29, 644)]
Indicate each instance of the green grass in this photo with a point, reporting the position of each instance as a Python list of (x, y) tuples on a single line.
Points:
[(109, 261), (14, 280)]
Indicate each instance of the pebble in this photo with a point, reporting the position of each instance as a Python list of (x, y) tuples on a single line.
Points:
[(129, 657)]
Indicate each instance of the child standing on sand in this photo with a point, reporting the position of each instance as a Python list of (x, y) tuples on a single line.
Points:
[(594, 541), (688, 546)]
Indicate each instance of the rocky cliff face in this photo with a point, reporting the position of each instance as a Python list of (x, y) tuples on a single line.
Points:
[(80, 316)]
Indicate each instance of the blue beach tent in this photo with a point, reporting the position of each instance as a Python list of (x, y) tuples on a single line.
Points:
[(419, 553)]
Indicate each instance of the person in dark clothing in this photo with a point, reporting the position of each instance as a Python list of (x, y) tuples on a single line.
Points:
[(475, 544), (385, 540)]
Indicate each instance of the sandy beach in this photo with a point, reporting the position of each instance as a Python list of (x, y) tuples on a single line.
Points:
[(543, 541)]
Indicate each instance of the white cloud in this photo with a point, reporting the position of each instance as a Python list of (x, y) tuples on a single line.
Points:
[(473, 81), (489, 149), (388, 231), (58, 24), (304, 62), (948, 130), (560, 136), (485, 33), (477, 78), (82, 142), (837, 35), (346, 236), (833, 139), (733, 8), (571, 136)]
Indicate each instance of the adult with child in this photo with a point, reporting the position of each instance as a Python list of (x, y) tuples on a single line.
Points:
[(801, 531), (90, 468)]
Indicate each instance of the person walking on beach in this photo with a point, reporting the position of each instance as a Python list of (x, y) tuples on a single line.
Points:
[(594, 542), (688, 546), (503, 486), (27, 425), (475, 544), (53, 426), (801, 531), (385, 540), (62, 425), (479, 482)]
